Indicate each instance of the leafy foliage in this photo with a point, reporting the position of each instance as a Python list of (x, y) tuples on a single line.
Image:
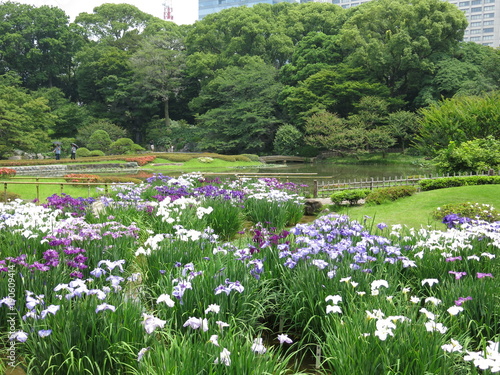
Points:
[(351, 196), (99, 140), (447, 182), (459, 119), (469, 210), (389, 194), (478, 155), (244, 115), (287, 140), (124, 146)]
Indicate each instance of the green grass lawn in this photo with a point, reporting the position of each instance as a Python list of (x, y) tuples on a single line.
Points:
[(29, 191), (194, 165), (416, 211)]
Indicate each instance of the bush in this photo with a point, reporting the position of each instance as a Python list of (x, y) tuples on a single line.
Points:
[(142, 160), (7, 172), (78, 177), (478, 155), (82, 152), (8, 196), (96, 153), (389, 194), (287, 140), (352, 196), (469, 210), (447, 182), (99, 140), (124, 146), (86, 131)]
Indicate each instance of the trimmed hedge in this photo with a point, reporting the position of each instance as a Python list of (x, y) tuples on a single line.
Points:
[(352, 196), (390, 194), (447, 182)]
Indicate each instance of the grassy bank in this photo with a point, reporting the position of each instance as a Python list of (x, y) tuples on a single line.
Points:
[(416, 211), (195, 164)]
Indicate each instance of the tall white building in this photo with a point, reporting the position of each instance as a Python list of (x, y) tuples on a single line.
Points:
[(483, 18), (484, 21), (483, 15)]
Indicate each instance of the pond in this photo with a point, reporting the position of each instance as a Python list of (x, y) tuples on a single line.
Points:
[(351, 171), (331, 170)]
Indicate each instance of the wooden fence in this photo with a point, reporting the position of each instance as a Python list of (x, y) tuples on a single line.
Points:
[(320, 187), (324, 187)]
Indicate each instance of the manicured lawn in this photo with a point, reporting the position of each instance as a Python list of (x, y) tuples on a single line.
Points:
[(416, 211), (29, 191), (194, 165)]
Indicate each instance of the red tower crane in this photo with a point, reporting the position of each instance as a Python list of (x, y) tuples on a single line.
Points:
[(168, 10)]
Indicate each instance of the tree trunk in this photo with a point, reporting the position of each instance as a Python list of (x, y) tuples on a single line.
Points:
[(167, 118)]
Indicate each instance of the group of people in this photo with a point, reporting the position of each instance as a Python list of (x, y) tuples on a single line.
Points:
[(58, 148)]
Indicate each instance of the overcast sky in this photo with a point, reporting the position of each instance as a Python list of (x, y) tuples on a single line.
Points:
[(185, 11)]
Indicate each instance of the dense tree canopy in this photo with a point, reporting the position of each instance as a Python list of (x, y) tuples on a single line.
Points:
[(229, 81)]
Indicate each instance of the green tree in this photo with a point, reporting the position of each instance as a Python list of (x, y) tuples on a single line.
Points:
[(159, 66), (85, 132), (124, 146), (403, 126), (69, 116), (287, 140), (336, 90), (398, 41), (478, 155), (113, 22), (459, 119), (99, 140), (237, 112), (24, 121), (328, 131), (38, 44)]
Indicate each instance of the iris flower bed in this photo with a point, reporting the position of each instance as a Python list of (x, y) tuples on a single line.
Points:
[(169, 277)]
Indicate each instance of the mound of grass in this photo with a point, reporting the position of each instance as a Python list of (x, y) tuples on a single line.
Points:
[(417, 211)]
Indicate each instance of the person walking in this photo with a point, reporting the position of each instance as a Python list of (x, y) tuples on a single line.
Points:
[(57, 151), (74, 147)]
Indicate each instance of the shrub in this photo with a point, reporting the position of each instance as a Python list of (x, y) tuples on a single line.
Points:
[(352, 196), (124, 146), (141, 160), (96, 153), (77, 177), (82, 152), (287, 140), (447, 182), (86, 131), (478, 155), (99, 140), (7, 172), (392, 193), (469, 210), (8, 196)]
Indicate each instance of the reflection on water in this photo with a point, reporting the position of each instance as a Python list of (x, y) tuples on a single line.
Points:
[(345, 171), (321, 169)]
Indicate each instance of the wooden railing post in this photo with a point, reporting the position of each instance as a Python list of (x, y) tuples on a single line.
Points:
[(315, 189), (5, 192)]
